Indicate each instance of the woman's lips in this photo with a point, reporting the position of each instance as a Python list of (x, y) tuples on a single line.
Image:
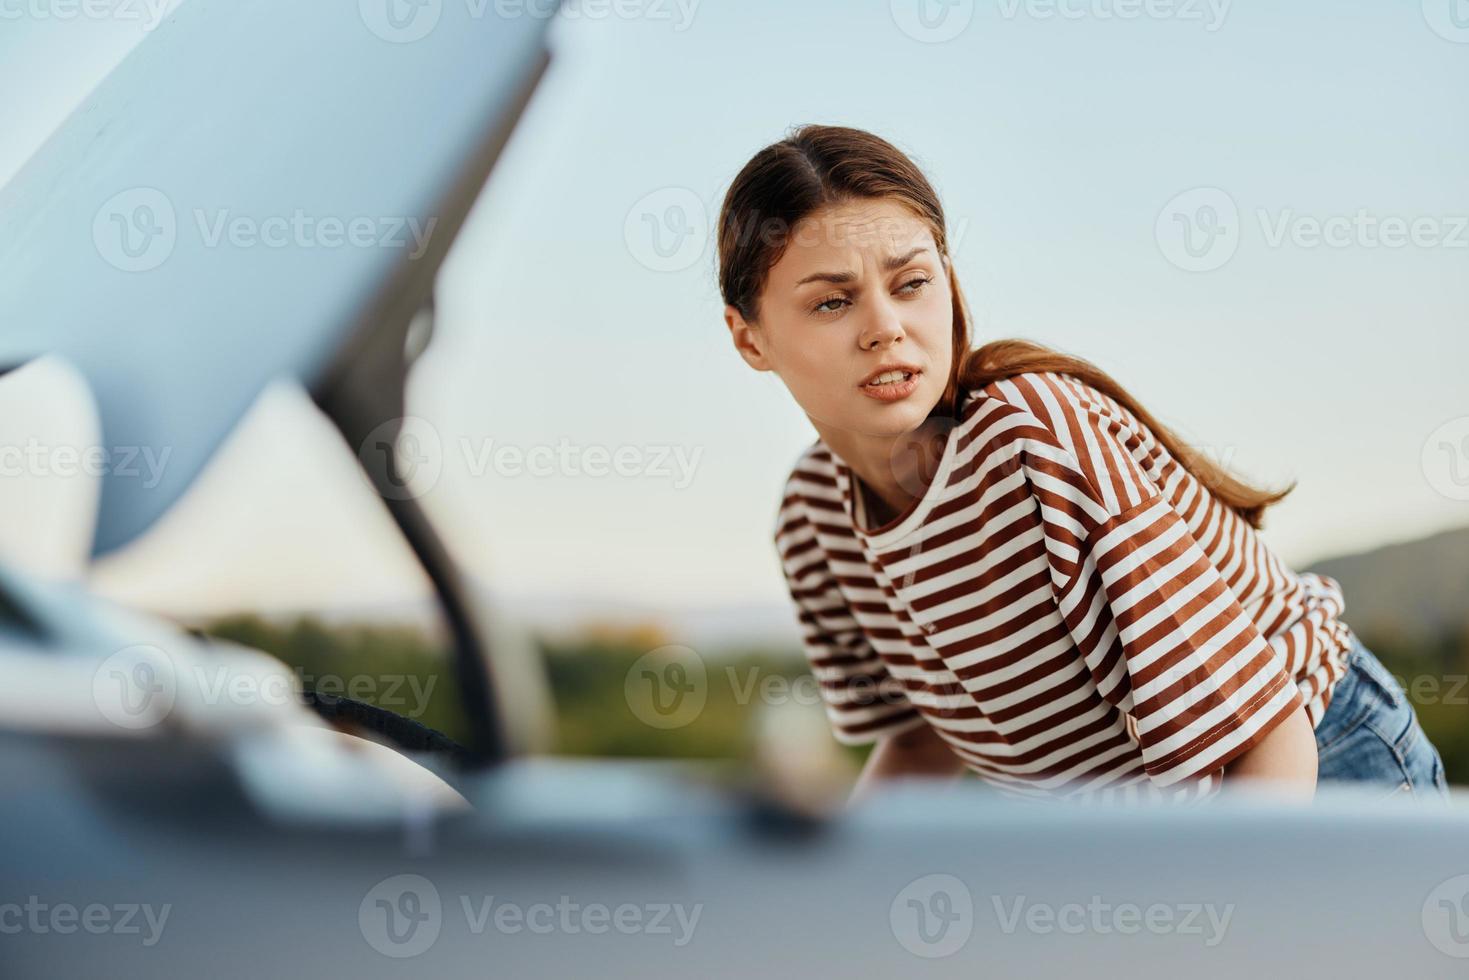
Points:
[(892, 392)]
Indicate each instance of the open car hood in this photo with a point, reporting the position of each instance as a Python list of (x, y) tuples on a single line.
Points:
[(163, 242)]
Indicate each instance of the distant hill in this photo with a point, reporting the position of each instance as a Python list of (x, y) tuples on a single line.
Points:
[(1415, 590)]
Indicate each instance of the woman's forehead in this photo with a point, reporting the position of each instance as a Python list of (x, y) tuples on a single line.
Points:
[(849, 232)]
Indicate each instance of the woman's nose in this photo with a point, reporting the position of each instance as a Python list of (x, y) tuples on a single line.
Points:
[(881, 325)]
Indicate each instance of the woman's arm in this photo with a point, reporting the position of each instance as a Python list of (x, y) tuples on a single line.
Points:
[(1285, 758), (920, 751)]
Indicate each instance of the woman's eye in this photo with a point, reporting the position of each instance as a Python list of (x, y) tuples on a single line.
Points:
[(915, 284), (825, 306)]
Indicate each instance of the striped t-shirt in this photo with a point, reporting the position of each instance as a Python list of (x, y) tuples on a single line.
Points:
[(1067, 605)]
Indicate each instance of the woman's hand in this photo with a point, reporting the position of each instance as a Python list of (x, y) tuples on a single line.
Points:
[(918, 752)]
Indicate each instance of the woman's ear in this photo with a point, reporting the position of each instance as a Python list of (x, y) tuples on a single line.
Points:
[(748, 339)]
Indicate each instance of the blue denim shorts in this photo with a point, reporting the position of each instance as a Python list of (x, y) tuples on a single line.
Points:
[(1370, 733)]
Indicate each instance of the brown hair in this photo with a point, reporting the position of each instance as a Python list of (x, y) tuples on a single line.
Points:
[(820, 166)]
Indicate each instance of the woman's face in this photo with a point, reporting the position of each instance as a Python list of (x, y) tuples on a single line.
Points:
[(859, 287)]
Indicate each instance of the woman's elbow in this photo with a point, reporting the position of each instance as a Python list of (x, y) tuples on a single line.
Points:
[(1285, 758)]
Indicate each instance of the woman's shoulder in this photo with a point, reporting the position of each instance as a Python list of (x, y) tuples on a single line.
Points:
[(1030, 389), (813, 472), (1070, 422), (1057, 401), (816, 459)]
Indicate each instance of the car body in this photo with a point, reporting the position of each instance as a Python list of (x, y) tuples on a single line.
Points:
[(153, 830)]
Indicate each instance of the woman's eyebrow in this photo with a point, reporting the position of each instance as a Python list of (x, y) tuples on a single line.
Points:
[(889, 264)]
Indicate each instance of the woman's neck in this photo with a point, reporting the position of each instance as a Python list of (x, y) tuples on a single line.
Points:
[(892, 478)]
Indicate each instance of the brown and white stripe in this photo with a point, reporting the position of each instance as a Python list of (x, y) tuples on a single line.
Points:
[(1067, 605)]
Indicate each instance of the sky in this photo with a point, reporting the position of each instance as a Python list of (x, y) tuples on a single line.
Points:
[(1201, 198)]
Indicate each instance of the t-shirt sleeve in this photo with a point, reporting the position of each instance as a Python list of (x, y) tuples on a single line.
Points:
[(863, 702), (1164, 638)]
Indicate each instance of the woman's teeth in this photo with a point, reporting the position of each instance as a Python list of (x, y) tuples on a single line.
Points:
[(890, 377)]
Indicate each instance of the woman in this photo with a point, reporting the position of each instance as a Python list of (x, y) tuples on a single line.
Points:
[(1001, 561)]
